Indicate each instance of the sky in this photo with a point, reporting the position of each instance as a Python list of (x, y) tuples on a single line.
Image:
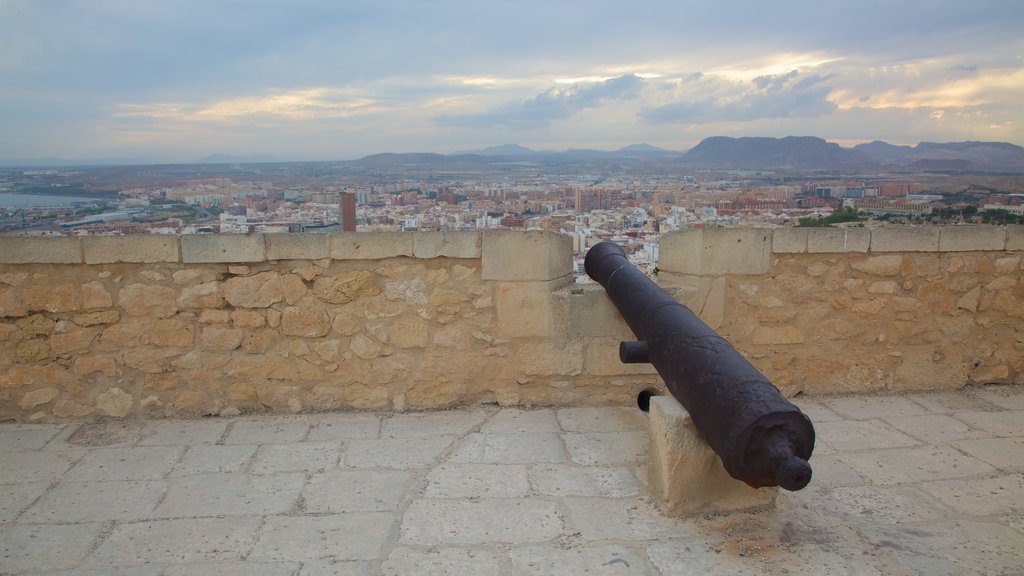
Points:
[(177, 80)]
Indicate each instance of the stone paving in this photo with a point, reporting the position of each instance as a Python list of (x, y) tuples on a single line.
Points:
[(911, 484)]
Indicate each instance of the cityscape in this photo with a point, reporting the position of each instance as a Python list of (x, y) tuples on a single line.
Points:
[(630, 197)]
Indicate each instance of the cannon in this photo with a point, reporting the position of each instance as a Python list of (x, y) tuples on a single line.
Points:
[(762, 438)]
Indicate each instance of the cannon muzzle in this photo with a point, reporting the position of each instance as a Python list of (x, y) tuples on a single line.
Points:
[(762, 438)]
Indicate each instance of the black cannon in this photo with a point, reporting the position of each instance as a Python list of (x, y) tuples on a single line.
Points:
[(762, 438)]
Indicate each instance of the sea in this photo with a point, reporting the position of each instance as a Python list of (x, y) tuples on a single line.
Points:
[(9, 200)]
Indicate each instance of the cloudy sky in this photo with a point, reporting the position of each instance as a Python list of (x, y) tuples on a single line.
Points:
[(177, 80)]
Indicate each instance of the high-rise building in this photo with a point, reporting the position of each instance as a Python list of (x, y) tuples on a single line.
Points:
[(348, 212)]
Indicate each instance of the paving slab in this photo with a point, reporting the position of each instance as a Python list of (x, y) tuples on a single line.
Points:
[(623, 519), (46, 547), (451, 480), (241, 568), (441, 562), (268, 430), (204, 459), (510, 448), (569, 480), (96, 501), (1003, 424), (432, 522), (297, 457), (397, 453), (15, 498), (952, 547), (176, 541), (950, 402), (1006, 454), (27, 436), (338, 568), (861, 435), (38, 466), (445, 423), (143, 463), (183, 432), (1005, 397), (935, 428), (875, 504), (354, 536), (345, 426), (558, 561), (981, 496), (521, 421), (355, 491), (903, 465), (230, 495), (607, 448), (871, 407), (594, 419)]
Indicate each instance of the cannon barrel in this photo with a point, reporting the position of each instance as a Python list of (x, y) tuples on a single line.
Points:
[(762, 438)]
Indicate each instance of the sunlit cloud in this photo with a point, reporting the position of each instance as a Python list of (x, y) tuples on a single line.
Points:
[(307, 104)]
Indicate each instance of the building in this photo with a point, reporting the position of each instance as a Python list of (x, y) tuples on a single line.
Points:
[(348, 212)]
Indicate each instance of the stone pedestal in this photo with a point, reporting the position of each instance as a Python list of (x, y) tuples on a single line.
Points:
[(685, 475)]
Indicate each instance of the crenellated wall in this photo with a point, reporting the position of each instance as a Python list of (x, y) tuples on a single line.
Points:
[(155, 326)]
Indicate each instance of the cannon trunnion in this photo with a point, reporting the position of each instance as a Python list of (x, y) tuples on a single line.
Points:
[(762, 438)]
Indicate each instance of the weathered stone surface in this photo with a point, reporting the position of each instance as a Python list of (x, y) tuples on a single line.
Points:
[(220, 338), (789, 240), (446, 244), (716, 251), (150, 360), (525, 257), (296, 246), (345, 287), (234, 248), (905, 239), (409, 334), (365, 347), (883, 265), (259, 291), (309, 320), (838, 240), (173, 332), (11, 305), (38, 397), (543, 359), (136, 248), (770, 335), (163, 381), (70, 341), (260, 341), (247, 319), (33, 350), (972, 238), (206, 295), (36, 325), (97, 318), (525, 309), (89, 364), (124, 335), (146, 299), (412, 291), (40, 250), (55, 298), (370, 245), (115, 402)]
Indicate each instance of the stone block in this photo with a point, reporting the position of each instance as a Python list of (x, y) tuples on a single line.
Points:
[(592, 313), (446, 244), (716, 251), (297, 246), (972, 238), (832, 240), (789, 240), (525, 309), (905, 239), (36, 250), (196, 248), (685, 475), (1015, 237), (370, 245), (136, 248), (526, 256), (430, 522)]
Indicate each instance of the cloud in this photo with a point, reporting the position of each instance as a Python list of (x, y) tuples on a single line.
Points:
[(767, 96), (306, 104), (552, 105)]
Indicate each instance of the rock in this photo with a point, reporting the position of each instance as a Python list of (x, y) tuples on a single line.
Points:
[(38, 397), (201, 296), (55, 298), (85, 365), (33, 350), (220, 338), (64, 408), (97, 318), (883, 265), (770, 335), (11, 305), (247, 319), (71, 341), (308, 320), (115, 402), (36, 325), (365, 347), (409, 334), (163, 381), (124, 335), (173, 332), (147, 299), (345, 287), (259, 291)]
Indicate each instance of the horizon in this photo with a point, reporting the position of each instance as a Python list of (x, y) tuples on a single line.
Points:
[(322, 81)]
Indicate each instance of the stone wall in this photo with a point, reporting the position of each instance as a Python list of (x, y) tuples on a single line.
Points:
[(826, 310), (155, 326)]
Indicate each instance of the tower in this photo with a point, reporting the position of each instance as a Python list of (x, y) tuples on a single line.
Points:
[(348, 212)]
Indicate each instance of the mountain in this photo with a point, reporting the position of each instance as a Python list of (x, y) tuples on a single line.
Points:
[(811, 153), (231, 159), (643, 148), (804, 152), (503, 150)]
